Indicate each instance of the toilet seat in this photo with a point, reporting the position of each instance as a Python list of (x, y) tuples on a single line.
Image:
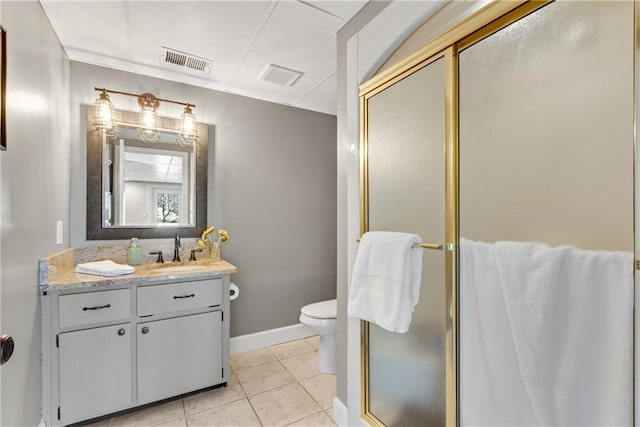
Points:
[(321, 310)]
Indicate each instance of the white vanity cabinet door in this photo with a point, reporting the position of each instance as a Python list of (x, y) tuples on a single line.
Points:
[(95, 372), (179, 355)]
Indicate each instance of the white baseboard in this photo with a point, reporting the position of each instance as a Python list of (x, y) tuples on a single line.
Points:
[(262, 339), (340, 415)]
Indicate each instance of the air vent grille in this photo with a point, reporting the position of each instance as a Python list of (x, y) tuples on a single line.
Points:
[(280, 75), (197, 64), (185, 60)]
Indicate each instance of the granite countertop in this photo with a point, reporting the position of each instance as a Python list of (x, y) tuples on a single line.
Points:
[(57, 273)]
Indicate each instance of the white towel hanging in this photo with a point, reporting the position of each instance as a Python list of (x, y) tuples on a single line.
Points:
[(385, 286)]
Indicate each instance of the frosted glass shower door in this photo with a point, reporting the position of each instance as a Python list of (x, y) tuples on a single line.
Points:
[(406, 184), (546, 155)]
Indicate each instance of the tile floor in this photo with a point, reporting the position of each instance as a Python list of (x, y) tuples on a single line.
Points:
[(273, 386)]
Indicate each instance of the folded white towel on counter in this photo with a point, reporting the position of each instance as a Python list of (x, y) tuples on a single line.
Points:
[(104, 268), (387, 273)]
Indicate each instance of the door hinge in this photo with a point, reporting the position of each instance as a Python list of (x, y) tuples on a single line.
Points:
[(59, 412), (58, 344), (222, 316), (222, 372)]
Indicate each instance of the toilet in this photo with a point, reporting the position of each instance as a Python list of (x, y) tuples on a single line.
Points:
[(320, 317)]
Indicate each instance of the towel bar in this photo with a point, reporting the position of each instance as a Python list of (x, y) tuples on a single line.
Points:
[(440, 247)]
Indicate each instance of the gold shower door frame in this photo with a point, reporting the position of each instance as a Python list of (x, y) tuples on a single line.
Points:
[(490, 19)]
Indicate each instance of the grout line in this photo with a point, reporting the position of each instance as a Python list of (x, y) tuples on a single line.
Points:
[(184, 411), (254, 411), (311, 415)]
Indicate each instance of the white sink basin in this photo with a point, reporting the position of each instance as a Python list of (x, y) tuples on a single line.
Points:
[(178, 269)]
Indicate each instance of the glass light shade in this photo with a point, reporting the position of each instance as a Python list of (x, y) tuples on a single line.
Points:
[(188, 133), (103, 115), (148, 130)]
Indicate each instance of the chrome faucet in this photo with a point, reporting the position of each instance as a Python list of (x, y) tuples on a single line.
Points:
[(176, 249)]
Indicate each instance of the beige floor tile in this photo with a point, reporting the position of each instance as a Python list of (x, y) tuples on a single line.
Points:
[(322, 388), (284, 405), (313, 341), (182, 422), (102, 423), (321, 419), (152, 415), (267, 376), (251, 358), (212, 398), (302, 366), (237, 413), (291, 348)]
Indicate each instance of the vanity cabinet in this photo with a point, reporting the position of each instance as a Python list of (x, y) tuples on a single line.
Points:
[(105, 351)]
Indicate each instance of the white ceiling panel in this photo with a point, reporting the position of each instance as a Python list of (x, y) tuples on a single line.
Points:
[(298, 27), (344, 9), (90, 26), (218, 31), (322, 97), (240, 37)]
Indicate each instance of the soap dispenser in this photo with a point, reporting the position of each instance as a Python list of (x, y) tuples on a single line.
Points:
[(134, 252)]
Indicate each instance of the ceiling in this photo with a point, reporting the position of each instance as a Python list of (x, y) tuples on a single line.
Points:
[(241, 38)]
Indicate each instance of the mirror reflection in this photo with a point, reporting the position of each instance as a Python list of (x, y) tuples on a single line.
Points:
[(143, 189), (148, 184)]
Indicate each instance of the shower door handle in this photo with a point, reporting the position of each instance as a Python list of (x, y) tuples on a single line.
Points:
[(439, 247), (447, 247)]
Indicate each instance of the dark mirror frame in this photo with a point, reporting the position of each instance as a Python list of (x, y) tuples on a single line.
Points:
[(95, 230)]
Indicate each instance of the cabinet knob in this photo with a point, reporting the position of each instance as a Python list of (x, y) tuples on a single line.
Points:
[(145, 330), (6, 348), (121, 331)]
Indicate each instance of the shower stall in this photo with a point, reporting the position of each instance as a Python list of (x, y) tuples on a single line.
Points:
[(508, 143)]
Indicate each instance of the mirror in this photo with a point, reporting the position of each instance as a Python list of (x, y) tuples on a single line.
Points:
[(136, 189)]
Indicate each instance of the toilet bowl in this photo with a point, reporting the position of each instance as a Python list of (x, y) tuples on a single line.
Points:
[(320, 317)]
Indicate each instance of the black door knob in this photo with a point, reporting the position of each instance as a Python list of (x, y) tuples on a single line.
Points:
[(6, 348), (121, 331), (145, 330)]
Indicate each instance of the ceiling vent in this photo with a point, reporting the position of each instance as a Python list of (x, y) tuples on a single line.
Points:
[(185, 60), (280, 75)]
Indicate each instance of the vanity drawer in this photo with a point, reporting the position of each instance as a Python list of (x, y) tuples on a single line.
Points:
[(179, 296), (94, 307)]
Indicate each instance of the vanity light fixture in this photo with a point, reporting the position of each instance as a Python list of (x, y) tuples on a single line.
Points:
[(148, 120)]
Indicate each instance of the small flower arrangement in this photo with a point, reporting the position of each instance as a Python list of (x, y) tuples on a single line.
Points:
[(208, 238)]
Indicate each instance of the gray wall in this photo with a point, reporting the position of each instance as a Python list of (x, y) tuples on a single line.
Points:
[(34, 185), (272, 184)]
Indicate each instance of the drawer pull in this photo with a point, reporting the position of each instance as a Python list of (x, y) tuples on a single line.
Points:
[(183, 296), (97, 307)]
